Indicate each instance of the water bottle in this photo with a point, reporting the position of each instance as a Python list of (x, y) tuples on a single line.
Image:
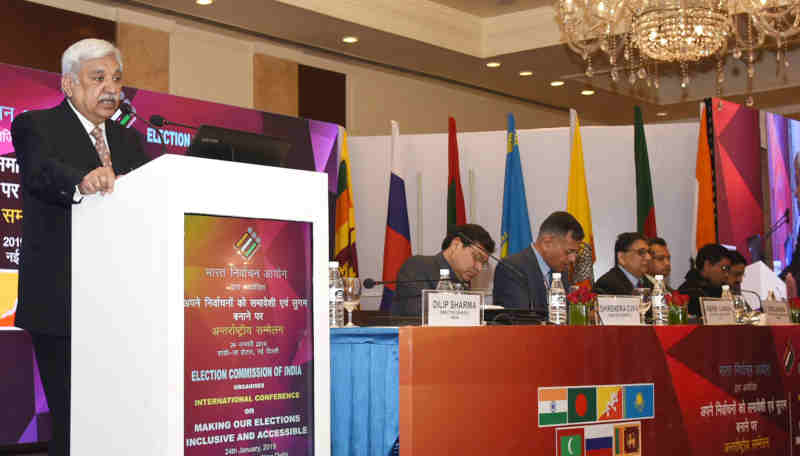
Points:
[(444, 281), (658, 303), (335, 296), (557, 301), (726, 292)]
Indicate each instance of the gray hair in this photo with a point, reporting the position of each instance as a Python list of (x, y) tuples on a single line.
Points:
[(90, 48)]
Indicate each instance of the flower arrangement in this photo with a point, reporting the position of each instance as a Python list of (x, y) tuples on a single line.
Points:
[(581, 305), (794, 312), (677, 299), (582, 295), (677, 303)]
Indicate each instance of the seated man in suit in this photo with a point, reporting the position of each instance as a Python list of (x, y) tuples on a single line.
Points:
[(631, 260), (736, 273), (660, 262), (464, 252), (65, 153), (521, 280), (706, 278)]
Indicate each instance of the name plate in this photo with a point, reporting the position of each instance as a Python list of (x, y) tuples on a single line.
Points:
[(717, 311), (619, 310), (777, 312), (451, 308)]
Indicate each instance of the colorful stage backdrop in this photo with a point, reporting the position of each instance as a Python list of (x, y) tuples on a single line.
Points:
[(314, 146), (747, 145)]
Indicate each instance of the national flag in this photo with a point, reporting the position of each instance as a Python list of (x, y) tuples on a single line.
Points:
[(638, 401), (628, 439), (569, 442), (599, 440), (645, 205), (515, 227), (397, 244), (788, 358), (609, 403), (577, 192), (704, 225), (345, 234), (456, 214), (552, 406), (582, 405)]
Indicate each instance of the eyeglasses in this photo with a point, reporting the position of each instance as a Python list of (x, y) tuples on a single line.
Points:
[(480, 258), (641, 252)]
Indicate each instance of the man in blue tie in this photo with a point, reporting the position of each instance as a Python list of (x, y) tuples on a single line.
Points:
[(521, 280)]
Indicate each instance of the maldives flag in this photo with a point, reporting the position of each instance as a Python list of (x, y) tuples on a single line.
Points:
[(569, 442), (645, 205), (456, 214), (397, 244)]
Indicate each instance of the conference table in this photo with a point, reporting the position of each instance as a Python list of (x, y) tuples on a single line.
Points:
[(688, 390)]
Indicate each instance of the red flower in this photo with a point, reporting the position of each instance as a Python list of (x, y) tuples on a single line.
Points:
[(582, 295), (676, 299)]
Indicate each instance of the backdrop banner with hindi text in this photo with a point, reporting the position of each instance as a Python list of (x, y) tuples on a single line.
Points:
[(313, 146)]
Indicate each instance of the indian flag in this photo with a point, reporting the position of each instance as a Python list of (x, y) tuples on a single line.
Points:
[(552, 406)]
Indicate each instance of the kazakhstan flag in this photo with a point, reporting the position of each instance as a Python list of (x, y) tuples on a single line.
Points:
[(515, 229)]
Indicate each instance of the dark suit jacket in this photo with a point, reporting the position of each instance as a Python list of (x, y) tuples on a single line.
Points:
[(423, 269), (614, 282), (512, 291), (54, 153)]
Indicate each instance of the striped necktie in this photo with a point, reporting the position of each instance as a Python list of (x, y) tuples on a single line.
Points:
[(102, 147)]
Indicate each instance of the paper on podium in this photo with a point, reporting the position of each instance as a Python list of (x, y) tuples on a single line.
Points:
[(761, 279)]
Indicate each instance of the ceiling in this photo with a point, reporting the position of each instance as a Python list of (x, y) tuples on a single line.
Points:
[(489, 8), (452, 40)]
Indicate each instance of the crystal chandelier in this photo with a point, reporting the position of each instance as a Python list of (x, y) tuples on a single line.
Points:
[(653, 32)]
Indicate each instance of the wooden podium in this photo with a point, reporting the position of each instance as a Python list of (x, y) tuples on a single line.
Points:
[(128, 301)]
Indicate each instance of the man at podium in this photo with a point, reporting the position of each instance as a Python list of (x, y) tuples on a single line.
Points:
[(65, 153)]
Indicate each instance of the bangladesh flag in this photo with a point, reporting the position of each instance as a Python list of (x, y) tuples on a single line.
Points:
[(582, 405), (645, 205)]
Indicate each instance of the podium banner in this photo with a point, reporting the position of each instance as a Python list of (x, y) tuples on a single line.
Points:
[(248, 377)]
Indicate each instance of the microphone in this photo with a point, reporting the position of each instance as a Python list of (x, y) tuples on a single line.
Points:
[(370, 283), (161, 121), (519, 275), (127, 110)]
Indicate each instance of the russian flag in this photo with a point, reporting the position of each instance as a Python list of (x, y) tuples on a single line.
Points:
[(599, 440), (397, 244)]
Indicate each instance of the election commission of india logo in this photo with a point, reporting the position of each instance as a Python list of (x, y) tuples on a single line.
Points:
[(248, 244)]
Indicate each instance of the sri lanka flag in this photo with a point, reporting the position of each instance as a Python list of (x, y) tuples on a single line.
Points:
[(345, 234), (397, 244)]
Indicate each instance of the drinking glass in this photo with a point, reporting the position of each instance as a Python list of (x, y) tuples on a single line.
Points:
[(352, 297), (644, 304)]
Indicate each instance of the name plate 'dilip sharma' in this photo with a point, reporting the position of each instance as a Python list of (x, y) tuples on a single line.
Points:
[(448, 308), (717, 311), (619, 310)]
